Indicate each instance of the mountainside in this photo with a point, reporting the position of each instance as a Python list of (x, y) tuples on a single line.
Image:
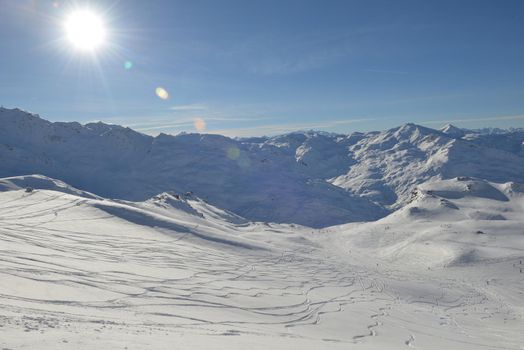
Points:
[(390, 164), (85, 272), (310, 178), (446, 223)]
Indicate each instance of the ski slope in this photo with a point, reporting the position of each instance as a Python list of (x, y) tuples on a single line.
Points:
[(80, 271)]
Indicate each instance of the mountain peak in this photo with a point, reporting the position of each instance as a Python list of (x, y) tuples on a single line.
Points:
[(452, 130), (309, 178), (410, 131), (17, 113)]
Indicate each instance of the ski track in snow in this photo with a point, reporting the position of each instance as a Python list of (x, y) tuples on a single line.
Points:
[(69, 273)]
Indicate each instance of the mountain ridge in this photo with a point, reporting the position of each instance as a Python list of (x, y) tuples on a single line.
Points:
[(311, 178)]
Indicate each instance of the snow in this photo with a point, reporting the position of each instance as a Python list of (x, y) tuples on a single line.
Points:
[(309, 178), (408, 237), (453, 131), (42, 182), (389, 164), (261, 182), (174, 271)]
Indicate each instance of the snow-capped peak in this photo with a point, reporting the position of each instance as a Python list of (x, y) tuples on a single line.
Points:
[(311, 178), (453, 131)]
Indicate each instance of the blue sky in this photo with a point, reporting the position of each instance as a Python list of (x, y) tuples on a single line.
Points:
[(267, 67)]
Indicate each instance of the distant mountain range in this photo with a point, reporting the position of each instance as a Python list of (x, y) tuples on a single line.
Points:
[(311, 178)]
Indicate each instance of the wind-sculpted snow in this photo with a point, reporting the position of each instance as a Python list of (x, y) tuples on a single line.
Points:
[(310, 178), (41, 182), (90, 273)]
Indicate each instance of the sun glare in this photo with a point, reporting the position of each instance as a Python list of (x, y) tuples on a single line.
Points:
[(85, 30)]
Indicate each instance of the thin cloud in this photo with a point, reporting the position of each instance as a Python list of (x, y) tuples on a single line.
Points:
[(472, 120), (189, 107), (165, 126), (183, 122), (275, 129)]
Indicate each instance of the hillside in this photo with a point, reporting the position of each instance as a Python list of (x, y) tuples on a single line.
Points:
[(309, 178), (92, 273)]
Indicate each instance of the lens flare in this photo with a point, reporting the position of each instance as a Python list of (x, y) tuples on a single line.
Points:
[(128, 65), (200, 124), (162, 93), (233, 153)]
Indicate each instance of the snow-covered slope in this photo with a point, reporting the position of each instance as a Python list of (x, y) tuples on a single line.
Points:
[(446, 222), (260, 183), (310, 178), (173, 271), (29, 182), (453, 131), (391, 163)]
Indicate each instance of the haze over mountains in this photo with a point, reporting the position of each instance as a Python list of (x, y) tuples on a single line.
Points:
[(310, 178)]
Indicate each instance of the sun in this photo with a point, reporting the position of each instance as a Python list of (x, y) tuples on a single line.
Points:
[(85, 30)]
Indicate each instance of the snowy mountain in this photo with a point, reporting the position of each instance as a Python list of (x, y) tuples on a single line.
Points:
[(310, 178), (262, 182), (87, 272), (123, 240), (453, 131), (447, 222)]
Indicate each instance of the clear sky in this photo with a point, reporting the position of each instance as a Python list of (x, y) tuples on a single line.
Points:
[(253, 67)]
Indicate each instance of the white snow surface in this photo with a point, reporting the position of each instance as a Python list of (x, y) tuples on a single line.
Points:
[(310, 178), (409, 237), (175, 272)]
